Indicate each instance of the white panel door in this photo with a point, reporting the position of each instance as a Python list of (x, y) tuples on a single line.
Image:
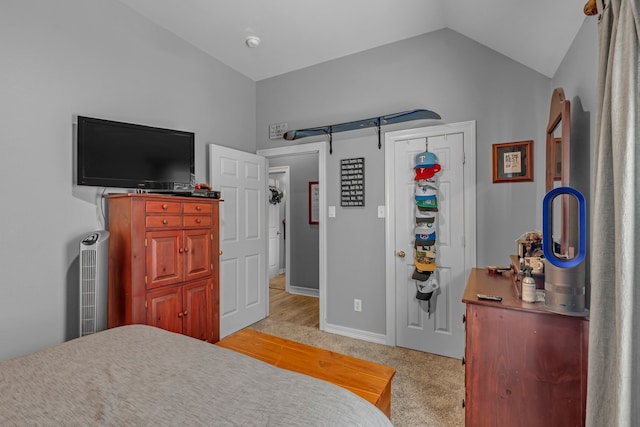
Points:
[(242, 179), (434, 326)]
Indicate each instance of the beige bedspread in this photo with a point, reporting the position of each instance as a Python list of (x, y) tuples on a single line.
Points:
[(141, 375)]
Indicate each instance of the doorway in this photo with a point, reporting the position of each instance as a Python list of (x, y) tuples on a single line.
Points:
[(319, 148), (279, 210)]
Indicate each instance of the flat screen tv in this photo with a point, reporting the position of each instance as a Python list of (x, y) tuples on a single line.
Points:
[(126, 155)]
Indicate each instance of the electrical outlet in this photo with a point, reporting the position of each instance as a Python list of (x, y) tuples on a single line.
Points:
[(357, 305)]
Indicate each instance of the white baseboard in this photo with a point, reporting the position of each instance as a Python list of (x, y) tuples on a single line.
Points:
[(356, 333), (309, 292)]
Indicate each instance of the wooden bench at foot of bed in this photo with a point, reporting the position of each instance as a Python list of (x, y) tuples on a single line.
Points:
[(368, 380)]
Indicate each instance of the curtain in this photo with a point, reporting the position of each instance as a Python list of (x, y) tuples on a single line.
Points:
[(613, 395)]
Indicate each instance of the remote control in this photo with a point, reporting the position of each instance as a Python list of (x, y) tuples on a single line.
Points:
[(489, 297)]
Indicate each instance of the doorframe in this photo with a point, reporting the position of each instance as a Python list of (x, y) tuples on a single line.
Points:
[(469, 183), (287, 213), (321, 149)]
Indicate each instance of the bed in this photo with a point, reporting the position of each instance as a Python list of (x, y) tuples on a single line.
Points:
[(142, 375)]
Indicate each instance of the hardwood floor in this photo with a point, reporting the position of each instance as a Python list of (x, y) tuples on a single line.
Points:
[(278, 282), (299, 309)]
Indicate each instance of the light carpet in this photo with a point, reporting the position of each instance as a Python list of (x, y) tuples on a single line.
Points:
[(427, 389)]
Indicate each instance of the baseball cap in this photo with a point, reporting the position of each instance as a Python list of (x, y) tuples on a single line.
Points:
[(426, 239), (428, 203), (426, 266), (431, 182), (433, 197), (421, 214), (425, 251), (424, 254), (425, 225), (420, 275), (426, 159), (426, 190), (427, 172), (425, 289)]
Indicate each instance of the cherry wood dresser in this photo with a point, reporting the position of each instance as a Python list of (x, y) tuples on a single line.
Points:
[(164, 263), (524, 366)]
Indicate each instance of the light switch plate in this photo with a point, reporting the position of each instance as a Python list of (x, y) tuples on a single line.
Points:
[(380, 211), (332, 211)]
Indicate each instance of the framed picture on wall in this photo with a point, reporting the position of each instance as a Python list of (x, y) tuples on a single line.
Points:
[(314, 202), (513, 161)]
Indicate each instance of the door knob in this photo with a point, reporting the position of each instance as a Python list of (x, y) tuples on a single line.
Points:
[(401, 254)]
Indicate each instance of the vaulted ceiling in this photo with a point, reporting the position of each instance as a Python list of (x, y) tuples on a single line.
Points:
[(299, 33)]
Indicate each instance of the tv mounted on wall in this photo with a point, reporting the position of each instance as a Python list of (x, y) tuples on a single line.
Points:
[(126, 155)]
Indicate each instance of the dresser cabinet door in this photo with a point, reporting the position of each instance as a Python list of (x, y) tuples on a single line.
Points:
[(198, 311), (165, 258), (197, 254), (164, 308)]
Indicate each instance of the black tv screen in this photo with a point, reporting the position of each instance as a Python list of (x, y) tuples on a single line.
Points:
[(126, 155)]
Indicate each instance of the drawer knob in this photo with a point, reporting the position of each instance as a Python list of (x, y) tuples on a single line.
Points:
[(198, 220), (180, 314), (186, 250), (165, 206), (198, 208), (165, 222), (180, 250), (185, 312)]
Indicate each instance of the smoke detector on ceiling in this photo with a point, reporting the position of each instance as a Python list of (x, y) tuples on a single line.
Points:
[(252, 41)]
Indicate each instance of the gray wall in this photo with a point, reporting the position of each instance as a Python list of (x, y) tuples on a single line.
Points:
[(442, 71), (304, 268), (96, 58)]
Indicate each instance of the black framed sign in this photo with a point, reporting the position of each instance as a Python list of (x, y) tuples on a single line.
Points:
[(352, 182)]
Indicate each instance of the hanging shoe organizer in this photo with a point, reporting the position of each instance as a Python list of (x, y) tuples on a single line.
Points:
[(426, 223)]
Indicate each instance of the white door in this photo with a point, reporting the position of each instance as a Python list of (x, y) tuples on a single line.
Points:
[(242, 179), (435, 326), (274, 234)]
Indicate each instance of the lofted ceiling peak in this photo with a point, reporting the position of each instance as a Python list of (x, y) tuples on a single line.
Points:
[(295, 34)]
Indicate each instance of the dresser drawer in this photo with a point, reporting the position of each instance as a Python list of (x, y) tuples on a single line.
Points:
[(163, 221), (197, 208), (197, 221), (163, 207)]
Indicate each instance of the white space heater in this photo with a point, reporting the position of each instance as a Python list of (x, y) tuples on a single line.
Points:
[(94, 259)]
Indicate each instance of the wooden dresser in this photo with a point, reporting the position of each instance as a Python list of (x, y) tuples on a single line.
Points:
[(524, 366), (164, 263)]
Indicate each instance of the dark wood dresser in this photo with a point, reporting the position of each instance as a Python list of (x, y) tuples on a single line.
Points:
[(524, 366), (164, 263)]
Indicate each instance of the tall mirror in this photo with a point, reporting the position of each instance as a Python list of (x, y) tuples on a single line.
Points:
[(557, 166)]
